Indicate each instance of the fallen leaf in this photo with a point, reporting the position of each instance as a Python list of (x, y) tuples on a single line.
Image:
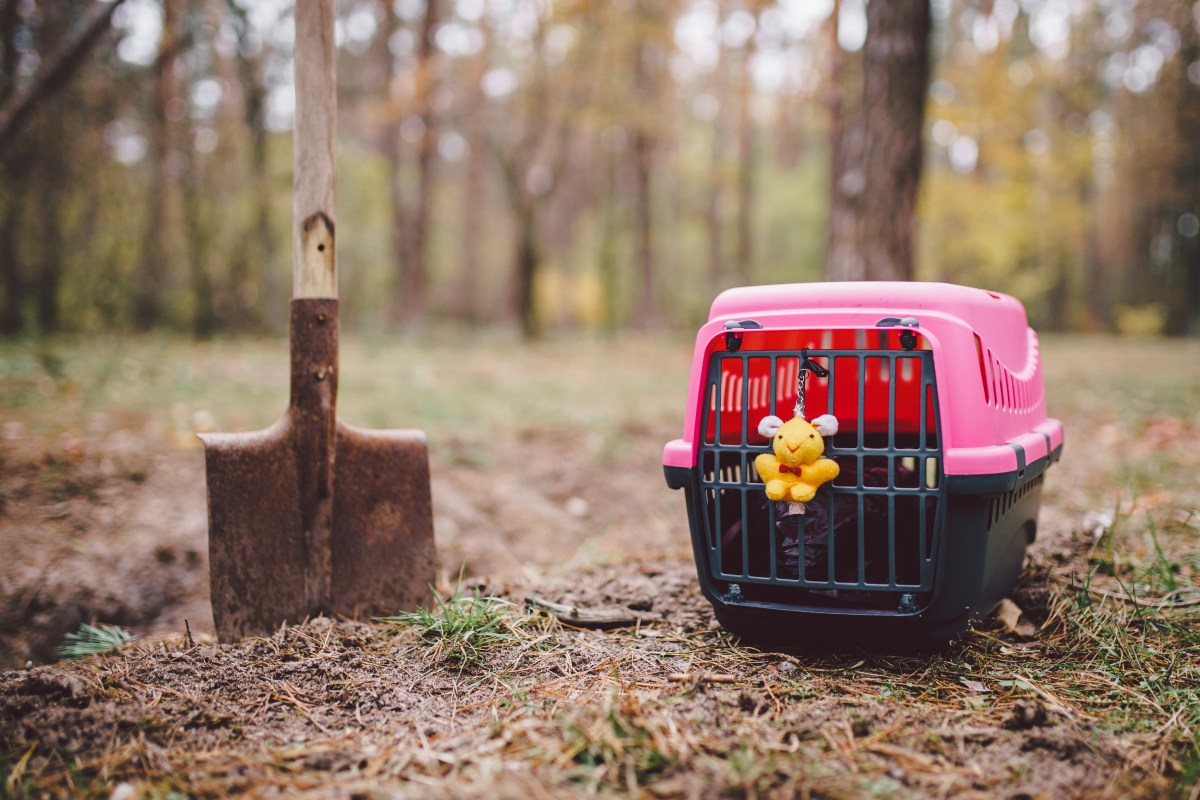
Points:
[(1097, 523), (1013, 618)]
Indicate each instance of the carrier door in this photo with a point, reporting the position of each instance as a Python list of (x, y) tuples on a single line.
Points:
[(869, 539)]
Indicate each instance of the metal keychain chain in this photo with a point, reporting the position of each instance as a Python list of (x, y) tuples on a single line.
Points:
[(806, 365), (801, 378)]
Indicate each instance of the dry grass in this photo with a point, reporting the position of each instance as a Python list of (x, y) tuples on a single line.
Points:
[(1083, 707), (1100, 699)]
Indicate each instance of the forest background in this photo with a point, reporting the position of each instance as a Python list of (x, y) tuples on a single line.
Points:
[(567, 170), (561, 165)]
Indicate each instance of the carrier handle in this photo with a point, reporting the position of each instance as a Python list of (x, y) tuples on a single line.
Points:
[(908, 339), (733, 340), (904, 322)]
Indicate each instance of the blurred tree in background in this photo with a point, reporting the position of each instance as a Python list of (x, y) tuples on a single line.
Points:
[(560, 164), (877, 146), (1064, 160)]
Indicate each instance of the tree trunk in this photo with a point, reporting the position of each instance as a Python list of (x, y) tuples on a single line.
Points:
[(842, 257), (528, 261), (149, 289), (204, 313), (198, 230), (744, 251), (1183, 317), (713, 212), (1189, 322), (260, 176), (391, 144), (156, 252), (533, 141), (8, 54), (49, 277), (648, 312), (237, 308), (1096, 268), (412, 301), (475, 173), (526, 255), (607, 252), (878, 187), (257, 286), (896, 70), (11, 319)]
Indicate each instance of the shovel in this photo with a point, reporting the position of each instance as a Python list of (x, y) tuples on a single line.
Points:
[(313, 515)]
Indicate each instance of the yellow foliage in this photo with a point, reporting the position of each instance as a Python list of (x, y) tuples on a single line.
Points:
[(569, 299), (1016, 220), (1143, 320)]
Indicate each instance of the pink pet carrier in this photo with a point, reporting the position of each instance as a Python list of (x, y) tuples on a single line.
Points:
[(941, 445)]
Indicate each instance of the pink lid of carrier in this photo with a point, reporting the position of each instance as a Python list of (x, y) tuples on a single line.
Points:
[(990, 404)]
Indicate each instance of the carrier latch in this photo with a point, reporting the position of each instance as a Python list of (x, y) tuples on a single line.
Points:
[(733, 339), (908, 339)]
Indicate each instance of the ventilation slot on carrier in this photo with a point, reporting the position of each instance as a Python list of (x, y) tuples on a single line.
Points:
[(1001, 505)]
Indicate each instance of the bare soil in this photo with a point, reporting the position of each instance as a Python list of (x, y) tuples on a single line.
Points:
[(105, 521)]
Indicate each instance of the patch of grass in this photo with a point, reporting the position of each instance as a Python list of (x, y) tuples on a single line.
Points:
[(1127, 632), (751, 772), (434, 384), (1162, 570), (12, 778), (617, 747), (1189, 775), (91, 640), (463, 628)]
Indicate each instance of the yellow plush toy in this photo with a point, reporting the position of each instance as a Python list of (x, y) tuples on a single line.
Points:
[(798, 466)]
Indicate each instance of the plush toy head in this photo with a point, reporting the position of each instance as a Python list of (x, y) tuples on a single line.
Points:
[(797, 442)]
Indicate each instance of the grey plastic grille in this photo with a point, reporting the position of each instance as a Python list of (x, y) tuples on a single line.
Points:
[(876, 527)]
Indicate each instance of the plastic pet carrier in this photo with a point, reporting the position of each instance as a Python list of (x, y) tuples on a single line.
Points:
[(928, 400)]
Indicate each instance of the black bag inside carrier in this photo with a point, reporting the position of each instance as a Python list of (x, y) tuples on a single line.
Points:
[(924, 526)]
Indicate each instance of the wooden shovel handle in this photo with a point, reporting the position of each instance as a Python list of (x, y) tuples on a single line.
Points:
[(314, 257)]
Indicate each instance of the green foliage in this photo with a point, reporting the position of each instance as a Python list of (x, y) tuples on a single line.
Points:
[(1074, 202), (463, 628), (1162, 570), (14, 783), (614, 743), (91, 640), (1133, 619), (1018, 219), (751, 770)]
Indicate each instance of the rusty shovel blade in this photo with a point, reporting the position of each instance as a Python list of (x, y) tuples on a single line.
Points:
[(312, 515), (383, 551)]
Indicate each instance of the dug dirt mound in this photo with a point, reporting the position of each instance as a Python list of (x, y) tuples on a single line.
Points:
[(98, 528)]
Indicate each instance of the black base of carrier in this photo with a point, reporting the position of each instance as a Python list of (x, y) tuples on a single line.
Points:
[(981, 541)]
